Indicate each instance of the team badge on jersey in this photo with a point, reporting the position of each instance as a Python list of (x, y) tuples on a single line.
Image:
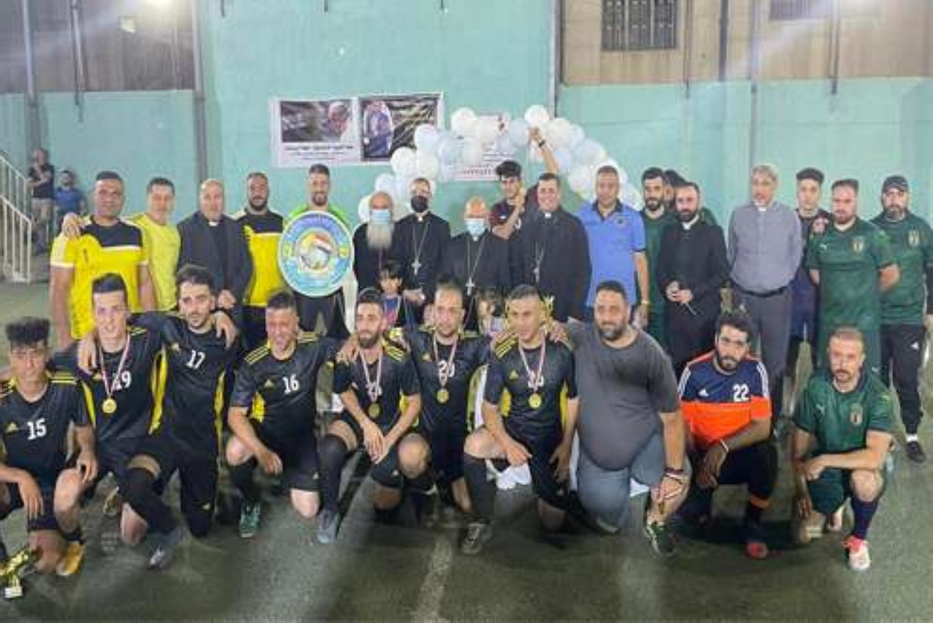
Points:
[(315, 253), (856, 414), (913, 238), (858, 244)]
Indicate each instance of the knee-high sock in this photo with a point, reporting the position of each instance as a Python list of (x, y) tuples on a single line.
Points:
[(482, 490), (141, 496), (862, 513), (332, 453), (242, 477)]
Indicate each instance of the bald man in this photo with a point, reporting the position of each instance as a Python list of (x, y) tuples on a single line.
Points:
[(477, 259), (211, 239), (372, 241)]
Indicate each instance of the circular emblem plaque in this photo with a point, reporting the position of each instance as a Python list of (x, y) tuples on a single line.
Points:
[(315, 253)]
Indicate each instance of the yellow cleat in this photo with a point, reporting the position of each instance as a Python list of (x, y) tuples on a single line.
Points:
[(71, 560)]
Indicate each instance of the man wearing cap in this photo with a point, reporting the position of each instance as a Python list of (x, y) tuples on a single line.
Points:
[(905, 308)]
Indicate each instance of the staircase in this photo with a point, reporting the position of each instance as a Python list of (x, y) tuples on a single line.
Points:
[(15, 225)]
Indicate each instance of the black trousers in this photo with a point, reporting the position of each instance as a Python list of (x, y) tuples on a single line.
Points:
[(688, 335), (901, 358)]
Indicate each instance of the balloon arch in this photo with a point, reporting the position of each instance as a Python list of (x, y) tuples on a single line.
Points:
[(440, 153)]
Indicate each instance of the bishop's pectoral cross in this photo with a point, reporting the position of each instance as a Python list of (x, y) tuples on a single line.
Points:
[(469, 286), (416, 266)]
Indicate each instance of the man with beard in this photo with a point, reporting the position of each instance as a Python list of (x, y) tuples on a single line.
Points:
[(273, 414), (263, 229), (630, 421), (555, 254), (211, 239), (518, 203), (477, 259), (674, 180), (105, 244), (853, 265), (813, 221), (841, 437), (905, 310), (690, 272), (372, 387), (616, 239), (655, 217), (764, 250), (421, 240), (527, 427), (372, 241), (724, 397), (187, 419), (321, 313), (446, 358)]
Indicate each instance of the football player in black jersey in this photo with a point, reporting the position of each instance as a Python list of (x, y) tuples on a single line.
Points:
[(187, 418), (447, 358), (526, 384), (273, 413), (381, 398), (37, 409)]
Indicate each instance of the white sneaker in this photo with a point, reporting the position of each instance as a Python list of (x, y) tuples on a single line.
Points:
[(859, 559)]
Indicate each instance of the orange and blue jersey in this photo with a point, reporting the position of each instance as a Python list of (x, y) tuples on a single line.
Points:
[(717, 404)]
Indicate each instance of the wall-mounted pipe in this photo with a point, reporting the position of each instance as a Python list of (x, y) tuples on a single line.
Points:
[(200, 117), (723, 38), (554, 57), (688, 46), (76, 27), (32, 97), (836, 47), (753, 75)]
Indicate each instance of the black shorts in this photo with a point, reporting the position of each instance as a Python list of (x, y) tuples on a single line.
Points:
[(541, 446), (113, 457), (386, 472), (299, 457), (197, 472), (46, 520), (446, 439)]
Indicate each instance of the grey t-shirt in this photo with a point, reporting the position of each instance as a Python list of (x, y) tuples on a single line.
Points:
[(622, 392)]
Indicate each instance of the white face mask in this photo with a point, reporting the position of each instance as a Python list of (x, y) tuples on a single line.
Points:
[(476, 226)]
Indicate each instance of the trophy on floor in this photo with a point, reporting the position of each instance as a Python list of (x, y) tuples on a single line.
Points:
[(21, 564)]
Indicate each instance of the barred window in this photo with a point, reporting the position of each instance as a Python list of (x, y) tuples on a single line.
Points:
[(800, 9), (630, 25)]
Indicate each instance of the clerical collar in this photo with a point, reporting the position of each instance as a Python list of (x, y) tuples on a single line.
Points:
[(213, 223), (689, 224), (547, 214), (421, 216)]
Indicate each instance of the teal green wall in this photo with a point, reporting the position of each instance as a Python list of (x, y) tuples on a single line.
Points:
[(486, 54), (869, 129)]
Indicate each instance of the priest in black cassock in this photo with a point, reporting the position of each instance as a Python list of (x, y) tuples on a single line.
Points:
[(420, 242), (477, 258), (555, 255), (372, 241)]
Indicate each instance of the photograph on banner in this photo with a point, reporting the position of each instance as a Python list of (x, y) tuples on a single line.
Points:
[(389, 122), (309, 131), (493, 152)]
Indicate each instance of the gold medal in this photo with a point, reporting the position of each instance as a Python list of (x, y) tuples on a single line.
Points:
[(109, 406), (443, 395), (374, 410), (534, 401)]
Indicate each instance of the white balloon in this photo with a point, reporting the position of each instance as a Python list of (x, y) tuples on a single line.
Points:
[(588, 152), (403, 162), (582, 179), (537, 116), (504, 145), (426, 165), (426, 138), (564, 158), (557, 132), (447, 173), (518, 132), (576, 135), (362, 208), (487, 129), (463, 122), (630, 196), (385, 182), (402, 192), (448, 151), (472, 154)]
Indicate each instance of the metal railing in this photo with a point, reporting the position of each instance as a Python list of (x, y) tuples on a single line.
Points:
[(15, 224)]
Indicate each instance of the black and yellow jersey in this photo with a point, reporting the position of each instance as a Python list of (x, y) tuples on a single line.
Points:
[(508, 373), (132, 389), (398, 378), (471, 354), (34, 434), (99, 250), (263, 232), (190, 378), (280, 393)]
